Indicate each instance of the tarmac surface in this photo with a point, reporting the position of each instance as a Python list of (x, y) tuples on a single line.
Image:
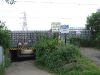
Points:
[(25, 68), (29, 68), (93, 54)]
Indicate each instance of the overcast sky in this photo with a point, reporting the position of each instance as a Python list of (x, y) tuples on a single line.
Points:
[(40, 13)]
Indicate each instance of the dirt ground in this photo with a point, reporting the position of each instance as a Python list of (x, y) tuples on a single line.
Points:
[(92, 54), (25, 68)]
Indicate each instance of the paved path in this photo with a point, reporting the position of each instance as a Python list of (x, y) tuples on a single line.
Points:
[(28, 67), (92, 53), (25, 68)]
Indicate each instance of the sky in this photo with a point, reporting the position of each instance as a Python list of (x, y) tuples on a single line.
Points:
[(41, 13)]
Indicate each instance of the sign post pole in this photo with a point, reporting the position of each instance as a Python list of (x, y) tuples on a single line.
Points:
[(65, 30), (65, 38), (55, 26)]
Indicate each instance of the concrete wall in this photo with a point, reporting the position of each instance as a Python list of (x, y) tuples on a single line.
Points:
[(1, 54)]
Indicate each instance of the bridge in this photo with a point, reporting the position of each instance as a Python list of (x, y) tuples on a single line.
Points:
[(22, 42)]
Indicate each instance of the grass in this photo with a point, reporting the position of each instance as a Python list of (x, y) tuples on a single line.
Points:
[(4, 64), (83, 66), (1, 69), (63, 59)]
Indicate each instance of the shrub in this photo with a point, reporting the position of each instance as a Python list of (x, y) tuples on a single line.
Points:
[(97, 41), (75, 41), (2, 69), (63, 59), (78, 41), (5, 63), (44, 47), (87, 42)]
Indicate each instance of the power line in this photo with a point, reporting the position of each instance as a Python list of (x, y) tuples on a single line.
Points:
[(46, 17), (48, 2)]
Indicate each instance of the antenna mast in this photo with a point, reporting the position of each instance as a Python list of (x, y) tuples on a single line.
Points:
[(24, 27)]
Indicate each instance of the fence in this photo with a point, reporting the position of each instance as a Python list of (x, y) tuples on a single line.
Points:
[(78, 32), (32, 36)]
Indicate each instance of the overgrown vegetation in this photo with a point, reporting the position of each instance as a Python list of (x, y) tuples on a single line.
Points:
[(75, 41), (81, 42), (4, 36), (63, 59), (5, 43), (2, 69), (5, 63), (93, 24)]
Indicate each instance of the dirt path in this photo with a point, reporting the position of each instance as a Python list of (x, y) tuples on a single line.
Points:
[(93, 54), (25, 68)]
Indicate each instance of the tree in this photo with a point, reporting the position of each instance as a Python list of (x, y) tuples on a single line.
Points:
[(4, 35), (93, 24), (10, 1)]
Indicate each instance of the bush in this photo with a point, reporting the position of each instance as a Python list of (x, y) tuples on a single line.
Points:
[(2, 69), (97, 41), (44, 47), (78, 41), (5, 63), (63, 59), (87, 43), (75, 41), (4, 37)]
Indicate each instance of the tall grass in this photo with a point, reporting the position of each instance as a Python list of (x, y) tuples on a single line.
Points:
[(63, 59)]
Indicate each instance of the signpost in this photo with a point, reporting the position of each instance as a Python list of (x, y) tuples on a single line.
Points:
[(55, 26), (65, 30)]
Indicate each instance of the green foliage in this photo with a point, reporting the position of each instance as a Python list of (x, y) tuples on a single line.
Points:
[(63, 59), (52, 56), (87, 43), (44, 47), (2, 69), (5, 63), (4, 41), (97, 41), (93, 24), (75, 41), (78, 41), (4, 36), (7, 58)]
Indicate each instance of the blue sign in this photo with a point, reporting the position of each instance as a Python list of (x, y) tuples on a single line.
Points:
[(64, 29), (64, 26)]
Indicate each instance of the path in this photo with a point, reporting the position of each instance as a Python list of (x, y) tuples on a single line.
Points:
[(28, 67), (93, 54), (25, 68)]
